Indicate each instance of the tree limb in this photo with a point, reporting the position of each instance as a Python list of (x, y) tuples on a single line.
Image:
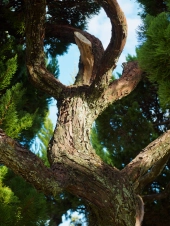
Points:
[(118, 37), (152, 173), (155, 153), (29, 166), (35, 32), (87, 58), (119, 88)]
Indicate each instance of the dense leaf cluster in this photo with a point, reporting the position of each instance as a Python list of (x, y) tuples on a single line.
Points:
[(154, 54)]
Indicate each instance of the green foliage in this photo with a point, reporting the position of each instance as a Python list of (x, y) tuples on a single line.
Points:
[(44, 136), (152, 7), (53, 67), (154, 54), (99, 147), (131, 58), (7, 68), (9, 203), (20, 203), (8, 62), (13, 119)]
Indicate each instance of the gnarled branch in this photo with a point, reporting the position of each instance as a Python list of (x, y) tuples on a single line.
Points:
[(156, 151), (27, 164), (153, 173), (118, 37), (35, 32), (119, 88)]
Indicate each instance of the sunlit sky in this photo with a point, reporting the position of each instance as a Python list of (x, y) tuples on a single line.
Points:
[(100, 27)]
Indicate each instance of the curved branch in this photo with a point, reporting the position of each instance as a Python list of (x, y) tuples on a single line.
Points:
[(150, 156), (35, 54), (35, 30), (87, 58), (119, 88), (118, 36), (153, 173), (67, 33), (28, 165)]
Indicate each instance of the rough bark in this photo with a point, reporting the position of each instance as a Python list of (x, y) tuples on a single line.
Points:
[(74, 166)]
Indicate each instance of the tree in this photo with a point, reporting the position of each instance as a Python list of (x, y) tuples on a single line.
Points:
[(118, 135), (109, 193), (152, 7), (21, 204), (23, 107)]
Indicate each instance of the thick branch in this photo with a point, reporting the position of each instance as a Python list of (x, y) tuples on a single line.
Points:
[(153, 173), (118, 36), (35, 31), (87, 58), (67, 33), (119, 88), (96, 184), (147, 158), (28, 165)]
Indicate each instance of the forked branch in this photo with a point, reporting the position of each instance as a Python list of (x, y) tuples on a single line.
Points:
[(119, 88)]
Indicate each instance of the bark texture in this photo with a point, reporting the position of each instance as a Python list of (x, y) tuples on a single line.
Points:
[(110, 194)]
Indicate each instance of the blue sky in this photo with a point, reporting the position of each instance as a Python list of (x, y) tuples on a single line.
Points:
[(101, 28)]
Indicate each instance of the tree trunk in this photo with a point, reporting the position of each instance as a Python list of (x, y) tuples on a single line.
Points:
[(108, 193)]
